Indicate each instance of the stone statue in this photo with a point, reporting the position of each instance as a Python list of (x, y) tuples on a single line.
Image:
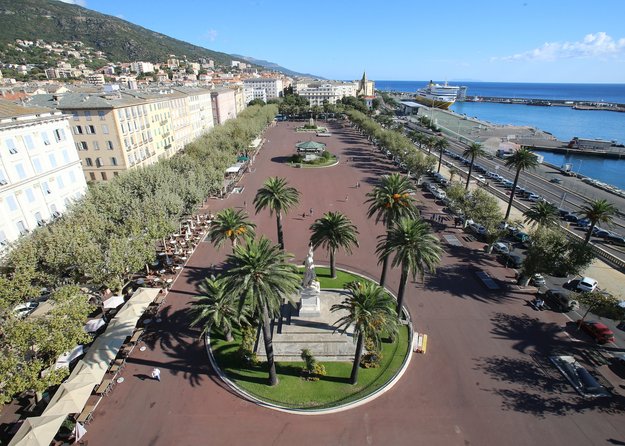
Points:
[(309, 272), (309, 295)]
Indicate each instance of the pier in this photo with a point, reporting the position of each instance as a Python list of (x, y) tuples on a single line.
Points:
[(576, 105)]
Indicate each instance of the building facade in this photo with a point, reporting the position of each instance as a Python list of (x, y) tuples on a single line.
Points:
[(224, 105), (40, 171), (272, 86), (121, 130)]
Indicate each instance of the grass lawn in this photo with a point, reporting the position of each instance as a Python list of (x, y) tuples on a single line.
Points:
[(293, 392), (342, 277)]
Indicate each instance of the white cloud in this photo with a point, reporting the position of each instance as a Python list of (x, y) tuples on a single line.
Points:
[(599, 45), (211, 35), (82, 3)]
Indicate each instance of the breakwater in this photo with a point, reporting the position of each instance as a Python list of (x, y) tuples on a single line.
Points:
[(576, 105)]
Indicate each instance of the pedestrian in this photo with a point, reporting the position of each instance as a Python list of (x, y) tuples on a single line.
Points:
[(303, 214), (346, 198), (156, 374), (245, 204), (357, 184), (311, 211)]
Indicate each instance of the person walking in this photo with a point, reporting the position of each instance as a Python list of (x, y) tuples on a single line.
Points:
[(311, 211), (346, 198), (156, 374)]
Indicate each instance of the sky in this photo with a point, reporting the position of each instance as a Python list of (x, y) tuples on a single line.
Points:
[(561, 41)]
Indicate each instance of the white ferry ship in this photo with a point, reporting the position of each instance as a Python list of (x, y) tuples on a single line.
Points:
[(436, 95)]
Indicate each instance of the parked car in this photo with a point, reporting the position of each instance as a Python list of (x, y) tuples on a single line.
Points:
[(615, 239), (480, 179), (601, 233), (477, 228), (533, 197), (583, 223), (538, 280), (600, 332), (571, 218), (501, 248), (563, 212), (560, 300), (587, 284), (23, 310), (522, 236)]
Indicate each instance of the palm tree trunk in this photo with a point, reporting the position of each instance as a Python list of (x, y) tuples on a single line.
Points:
[(384, 270), (589, 233), (353, 378), (273, 377), (516, 180), (466, 187), (332, 264), (402, 289), (280, 233), (440, 160)]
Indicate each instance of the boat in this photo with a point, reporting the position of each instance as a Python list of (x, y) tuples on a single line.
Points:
[(437, 95)]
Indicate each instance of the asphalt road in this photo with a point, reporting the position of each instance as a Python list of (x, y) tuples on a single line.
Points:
[(485, 380)]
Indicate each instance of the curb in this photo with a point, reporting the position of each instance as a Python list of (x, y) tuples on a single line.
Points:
[(340, 408)]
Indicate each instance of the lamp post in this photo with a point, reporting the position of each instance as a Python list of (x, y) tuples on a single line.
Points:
[(579, 169)]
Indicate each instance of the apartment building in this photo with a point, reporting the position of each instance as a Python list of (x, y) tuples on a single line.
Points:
[(121, 130), (319, 92), (272, 86), (224, 105), (40, 171)]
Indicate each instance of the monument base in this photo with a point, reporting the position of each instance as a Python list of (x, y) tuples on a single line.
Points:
[(310, 304)]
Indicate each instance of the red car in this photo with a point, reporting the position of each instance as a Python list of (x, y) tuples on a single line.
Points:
[(597, 330)]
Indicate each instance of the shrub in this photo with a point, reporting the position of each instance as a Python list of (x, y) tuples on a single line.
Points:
[(312, 369), (297, 158), (371, 360), (326, 155)]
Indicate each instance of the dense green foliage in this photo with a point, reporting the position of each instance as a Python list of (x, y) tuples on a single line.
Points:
[(107, 236), (120, 40), (333, 231)]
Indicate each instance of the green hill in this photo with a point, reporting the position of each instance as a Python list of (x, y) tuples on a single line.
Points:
[(122, 41)]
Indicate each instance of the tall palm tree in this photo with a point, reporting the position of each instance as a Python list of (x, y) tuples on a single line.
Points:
[(441, 144), (231, 225), (421, 139), (542, 214), (522, 159), (216, 308), (278, 197), (332, 231), (262, 277), (430, 143), (389, 201), (474, 151), (370, 311), (416, 250), (598, 211)]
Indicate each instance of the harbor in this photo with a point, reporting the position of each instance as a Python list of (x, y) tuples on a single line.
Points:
[(576, 105)]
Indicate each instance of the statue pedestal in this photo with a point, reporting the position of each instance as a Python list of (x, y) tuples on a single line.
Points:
[(310, 305)]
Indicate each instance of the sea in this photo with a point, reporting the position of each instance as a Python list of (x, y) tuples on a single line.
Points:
[(562, 122)]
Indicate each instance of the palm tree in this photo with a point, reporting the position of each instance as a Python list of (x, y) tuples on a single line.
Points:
[(543, 214), (522, 159), (598, 211), (441, 144), (390, 201), (278, 197), (332, 231), (421, 139), (370, 310), (474, 151), (262, 277), (230, 225), (216, 308), (453, 171), (416, 251), (430, 143)]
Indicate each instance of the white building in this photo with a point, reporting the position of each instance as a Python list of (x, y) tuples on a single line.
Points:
[(319, 92), (272, 86), (40, 172), (142, 67)]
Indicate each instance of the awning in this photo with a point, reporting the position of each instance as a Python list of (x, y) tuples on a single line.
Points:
[(113, 302), (94, 325), (243, 158), (38, 430), (70, 397), (234, 169), (65, 359)]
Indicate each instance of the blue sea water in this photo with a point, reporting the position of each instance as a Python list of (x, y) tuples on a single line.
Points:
[(563, 122)]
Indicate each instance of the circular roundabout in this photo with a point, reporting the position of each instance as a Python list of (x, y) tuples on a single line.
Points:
[(242, 366)]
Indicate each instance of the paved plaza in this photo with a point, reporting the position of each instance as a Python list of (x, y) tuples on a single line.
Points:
[(485, 379)]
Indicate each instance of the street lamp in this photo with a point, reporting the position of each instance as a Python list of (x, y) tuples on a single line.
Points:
[(579, 169)]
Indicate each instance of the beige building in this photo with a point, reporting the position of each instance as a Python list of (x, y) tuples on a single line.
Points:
[(240, 102), (117, 131)]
